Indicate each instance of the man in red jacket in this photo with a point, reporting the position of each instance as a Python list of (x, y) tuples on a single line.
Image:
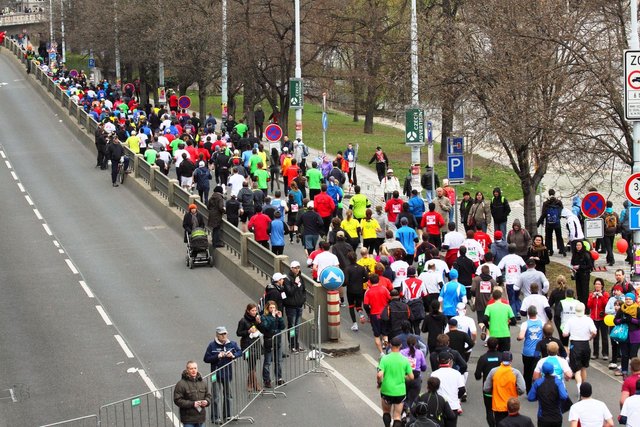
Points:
[(393, 207), (324, 205), (259, 224), (431, 223)]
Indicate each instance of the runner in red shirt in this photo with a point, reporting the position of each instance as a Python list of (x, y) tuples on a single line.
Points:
[(375, 300), (259, 224), (431, 223), (482, 238), (393, 207), (324, 205), (290, 174)]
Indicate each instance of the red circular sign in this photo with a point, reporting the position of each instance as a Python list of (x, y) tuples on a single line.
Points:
[(633, 79), (184, 102), (129, 87), (273, 132), (593, 205), (632, 189)]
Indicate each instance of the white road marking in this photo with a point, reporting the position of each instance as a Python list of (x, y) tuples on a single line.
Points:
[(56, 244), (124, 346), (174, 418), (28, 199), (606, 372), (60, 251), (353, 388), (72, 267), (6, 162), (370, 359), (21, 187), (47, 229), (104, 315), (37, 212), (149, 383), (15, 177), (86, 288), (4, 156)]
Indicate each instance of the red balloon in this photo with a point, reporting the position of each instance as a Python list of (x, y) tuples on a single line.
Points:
[(595, 255), (622, 246)]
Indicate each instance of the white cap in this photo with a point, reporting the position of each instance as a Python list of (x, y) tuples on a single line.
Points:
[(278, 276), (310, 204), (389, 170), (461, 306), (294, 264), (201, 164), (579, 309)]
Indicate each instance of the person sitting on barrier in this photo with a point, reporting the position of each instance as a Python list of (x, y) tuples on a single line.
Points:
[(273, 324), (250, 329), (192, 219), (191, 395), (220, 353)]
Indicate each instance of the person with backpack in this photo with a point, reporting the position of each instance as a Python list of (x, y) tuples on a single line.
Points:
[(611, 228), (500, 210), (551, 214), (625, 231), (431, 409)]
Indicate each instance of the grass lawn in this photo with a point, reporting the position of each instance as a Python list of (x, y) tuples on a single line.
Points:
[(487, 174)]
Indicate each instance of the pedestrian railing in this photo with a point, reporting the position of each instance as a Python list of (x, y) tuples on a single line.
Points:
[(233, 387)]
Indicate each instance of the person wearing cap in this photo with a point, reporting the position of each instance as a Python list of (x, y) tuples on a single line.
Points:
[(503, 382), (133, 142), (192, 219), (459, 341), (589, 412), (202, 176), (550, 393), (629, 314), (394, 370), (295, 291), (491, 359), (275, 290), (191, 395), (630, 412), (451, 294), (499, 248), (382, 162), (499, 316), (310, 226), (390, 185), (452, 385), (219, 354), (394, 314)]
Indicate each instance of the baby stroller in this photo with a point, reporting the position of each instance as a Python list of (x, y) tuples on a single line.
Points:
[(198, 248)]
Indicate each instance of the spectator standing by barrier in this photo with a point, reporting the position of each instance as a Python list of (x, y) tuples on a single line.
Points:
[(220, 353), (596, 303), (296, 293), (250, 330), (273, 324), (192, 396), (500, 210)]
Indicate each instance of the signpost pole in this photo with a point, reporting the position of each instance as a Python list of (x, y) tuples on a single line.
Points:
[(298, 70), (324, 127), (635, 44), (224, 73)]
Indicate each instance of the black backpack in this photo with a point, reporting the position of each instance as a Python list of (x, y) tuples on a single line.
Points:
[(553, 215)]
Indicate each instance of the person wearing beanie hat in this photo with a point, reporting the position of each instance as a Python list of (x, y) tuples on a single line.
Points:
[(589, 411), (192, 219), (629, 314), (451, 294), (500, 210), (202, 176), (580, 330), (499, 248), (550, 393), (414, 291)]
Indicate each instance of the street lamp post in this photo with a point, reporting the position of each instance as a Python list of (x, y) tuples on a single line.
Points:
[(224, 76), (298, 70)]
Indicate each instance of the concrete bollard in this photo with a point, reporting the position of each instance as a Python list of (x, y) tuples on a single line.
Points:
[(152, 177), (333, 312), (173, 183)]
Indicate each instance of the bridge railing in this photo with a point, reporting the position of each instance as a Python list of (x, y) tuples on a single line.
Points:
[(21, 19)]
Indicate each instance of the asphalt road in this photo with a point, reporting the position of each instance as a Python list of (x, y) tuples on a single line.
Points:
[(57, 346)]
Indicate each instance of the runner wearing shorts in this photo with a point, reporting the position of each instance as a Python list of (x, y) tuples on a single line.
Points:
[(394, 370), (375, 300), (580, 330)]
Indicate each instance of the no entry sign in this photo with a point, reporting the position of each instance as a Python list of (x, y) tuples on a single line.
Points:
[(273, 132), (593, 205)]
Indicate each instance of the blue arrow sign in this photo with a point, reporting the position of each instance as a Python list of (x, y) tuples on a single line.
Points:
[(634, 217), (331, 277)]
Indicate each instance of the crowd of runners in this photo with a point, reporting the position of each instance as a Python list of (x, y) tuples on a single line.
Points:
[(409, 273)]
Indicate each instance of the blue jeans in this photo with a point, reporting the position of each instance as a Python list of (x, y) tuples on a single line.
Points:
[(222, 399), (294, 316), (429, 194), (514, 300), (268, 359), (502, 226), (310, 242)]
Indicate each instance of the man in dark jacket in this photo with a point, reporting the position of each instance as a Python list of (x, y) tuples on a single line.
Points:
[(500, 210), (443, 346), (394, 314), (311, 224), (466, 268), (101, 146), (341, 249), (296, 294), (191, 395), (549, 391), (114, 152), (215, 205), (427, 183), (551, 214), (465, 208), (220, 353)]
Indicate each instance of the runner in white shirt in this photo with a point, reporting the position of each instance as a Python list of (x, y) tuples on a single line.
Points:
[(540, 302), (452, 240), (432, 281), (580, 330), (441, 268), (630, 412), (511, 265), (474, 250), (400, 268), (494, 271), (324, 259), (235, 181), (451, 381), (589, 412)]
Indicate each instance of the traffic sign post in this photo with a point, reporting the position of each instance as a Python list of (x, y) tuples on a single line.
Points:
[(634, 217), (593, 205), (296, 97), (632, 189), (273, 132), (414, 126), (632, 84), (594, 228)]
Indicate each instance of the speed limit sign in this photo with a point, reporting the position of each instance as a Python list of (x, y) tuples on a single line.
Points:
[(632, 189)]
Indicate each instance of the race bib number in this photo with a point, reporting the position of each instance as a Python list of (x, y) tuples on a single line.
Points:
[(512, 269), (294, 207), (485, 287), (431, 220)]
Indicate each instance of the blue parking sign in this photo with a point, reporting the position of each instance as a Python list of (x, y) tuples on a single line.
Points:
[(455, 167)]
